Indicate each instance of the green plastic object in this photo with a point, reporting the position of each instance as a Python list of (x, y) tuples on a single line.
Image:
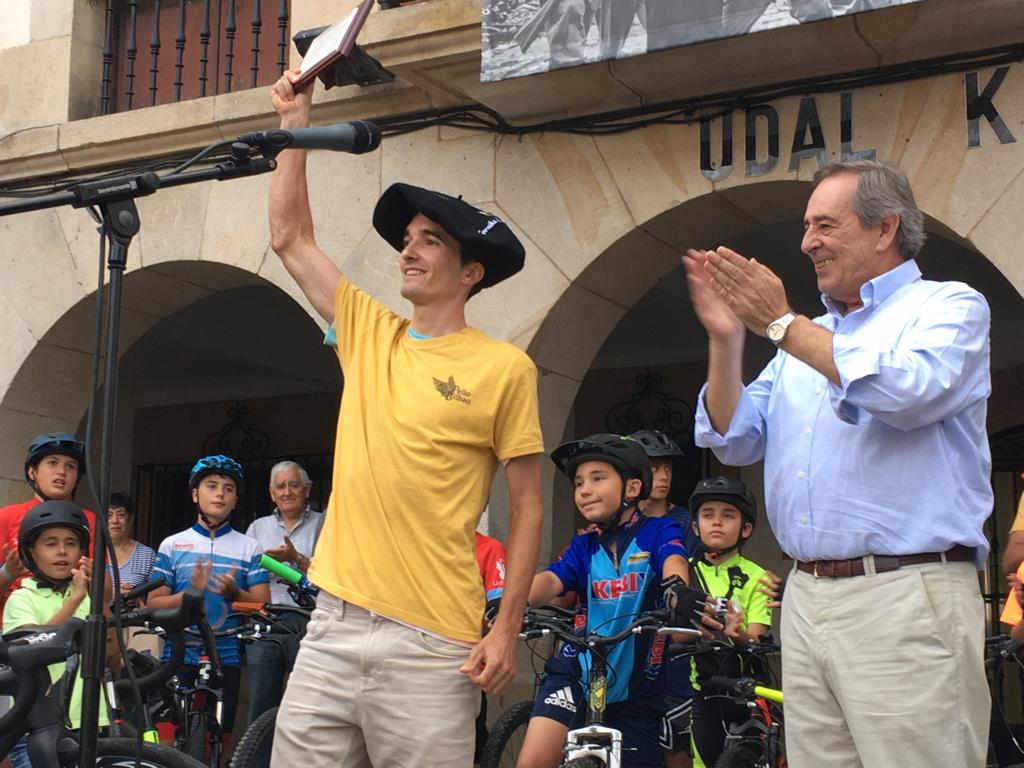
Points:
[(280, 570)]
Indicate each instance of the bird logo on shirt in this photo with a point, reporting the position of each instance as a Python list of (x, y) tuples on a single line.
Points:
[(449, 390)]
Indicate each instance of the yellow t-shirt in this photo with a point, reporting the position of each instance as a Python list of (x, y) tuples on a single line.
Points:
[(422, 426), (1018, 521)]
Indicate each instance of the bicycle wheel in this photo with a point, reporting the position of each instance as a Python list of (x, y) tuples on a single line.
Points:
[(506, 737), (589, 761), (194, 742), (254, 748), (115, 753), (742, 756)]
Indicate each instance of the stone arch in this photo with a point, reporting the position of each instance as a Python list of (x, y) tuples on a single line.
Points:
[(647, 259), (49, 390)]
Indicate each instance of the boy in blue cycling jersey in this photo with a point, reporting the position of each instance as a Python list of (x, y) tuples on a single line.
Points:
[(616, 570), (220, 561)]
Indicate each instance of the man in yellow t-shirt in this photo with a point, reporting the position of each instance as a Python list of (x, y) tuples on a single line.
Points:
[(390, 670), (1013, 555)]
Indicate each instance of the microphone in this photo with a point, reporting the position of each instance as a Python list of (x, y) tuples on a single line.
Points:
[(356, 137)]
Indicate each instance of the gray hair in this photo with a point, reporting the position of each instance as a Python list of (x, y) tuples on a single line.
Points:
[(285, 466), (882, 190)]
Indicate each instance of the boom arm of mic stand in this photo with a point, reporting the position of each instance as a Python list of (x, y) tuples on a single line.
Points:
[(115, 196)]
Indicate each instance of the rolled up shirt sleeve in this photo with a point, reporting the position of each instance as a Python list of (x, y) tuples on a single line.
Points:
[(936, 368), (744, 441)]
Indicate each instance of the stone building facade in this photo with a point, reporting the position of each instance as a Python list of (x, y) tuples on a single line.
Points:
[(212, 319)]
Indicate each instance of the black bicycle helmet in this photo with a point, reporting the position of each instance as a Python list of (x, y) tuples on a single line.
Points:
[(622, 452), (55, 443), (49, 514), (217, 465), (723, 489), (49, 444), (657, 444)]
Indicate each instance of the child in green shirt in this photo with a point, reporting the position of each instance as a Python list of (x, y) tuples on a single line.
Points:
[(724, 515), (53, 540)]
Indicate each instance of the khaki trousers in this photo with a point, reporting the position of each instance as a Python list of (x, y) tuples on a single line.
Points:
[(885, 670), (367, 691)]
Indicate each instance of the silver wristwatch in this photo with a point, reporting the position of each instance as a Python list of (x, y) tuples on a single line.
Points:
[(776, 331)]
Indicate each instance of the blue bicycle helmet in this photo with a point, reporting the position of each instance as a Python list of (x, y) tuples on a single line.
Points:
[(218, 464)]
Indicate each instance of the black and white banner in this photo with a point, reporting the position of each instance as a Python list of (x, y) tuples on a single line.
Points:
[(524, 37)]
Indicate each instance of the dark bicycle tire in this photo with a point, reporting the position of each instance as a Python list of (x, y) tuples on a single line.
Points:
[(506, 737), (253, 750), (194, 742), (742, 756), (117, 752), (587, 761)]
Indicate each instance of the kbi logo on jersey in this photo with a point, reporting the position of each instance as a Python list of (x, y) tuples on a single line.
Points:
[(613, 589)]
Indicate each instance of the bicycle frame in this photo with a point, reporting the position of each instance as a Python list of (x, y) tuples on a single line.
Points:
[(763, 728), (595, 738)]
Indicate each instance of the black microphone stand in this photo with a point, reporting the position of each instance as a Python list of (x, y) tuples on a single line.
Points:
[(115, 198)]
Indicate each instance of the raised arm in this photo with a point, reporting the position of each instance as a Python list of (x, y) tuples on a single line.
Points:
[(725, 342), (291, 221)]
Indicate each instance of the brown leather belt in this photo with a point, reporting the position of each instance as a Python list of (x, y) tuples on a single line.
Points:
[(841, 569)]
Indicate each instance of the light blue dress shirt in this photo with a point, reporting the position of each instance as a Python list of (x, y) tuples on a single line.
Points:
[(895, 461)]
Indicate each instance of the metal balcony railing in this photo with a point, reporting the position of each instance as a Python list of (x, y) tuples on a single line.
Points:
[(213, 40)]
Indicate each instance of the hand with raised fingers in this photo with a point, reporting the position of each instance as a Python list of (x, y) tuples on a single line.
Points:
[(11, 561), (733, 620), (285, 553), (712, 310), (753, 292), (201, 575), (223, 584), (771, 584), (80, 577)]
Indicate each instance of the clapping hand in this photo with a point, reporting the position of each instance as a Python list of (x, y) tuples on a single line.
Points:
[(80, 577), (285, 553), (223, 584), (771, 584), (12, 562)]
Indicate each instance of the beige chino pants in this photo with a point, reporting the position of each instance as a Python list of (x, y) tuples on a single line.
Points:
[(885, 670), (368, 691)]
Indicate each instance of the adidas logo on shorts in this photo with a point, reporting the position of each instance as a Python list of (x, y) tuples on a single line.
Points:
[(562, 698)]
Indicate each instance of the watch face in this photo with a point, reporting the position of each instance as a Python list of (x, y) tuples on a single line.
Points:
[(776, 331)]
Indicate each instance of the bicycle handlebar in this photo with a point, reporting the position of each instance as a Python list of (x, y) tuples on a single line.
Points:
[(540, 625), (28, 653), (31, 654), (143, 589), (174, 621), (746, 687), (282, 571), (268, 609)]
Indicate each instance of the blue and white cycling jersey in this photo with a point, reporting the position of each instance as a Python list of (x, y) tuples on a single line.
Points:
[(231, 553), (613, 590)]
